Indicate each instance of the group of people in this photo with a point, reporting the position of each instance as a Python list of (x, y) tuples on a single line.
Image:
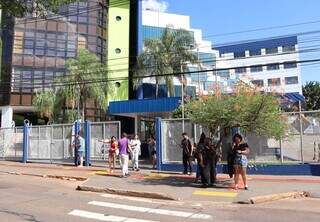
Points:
[(123, 148), (207, 154)]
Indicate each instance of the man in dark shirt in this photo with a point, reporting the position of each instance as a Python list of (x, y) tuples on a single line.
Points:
[(187, 149)]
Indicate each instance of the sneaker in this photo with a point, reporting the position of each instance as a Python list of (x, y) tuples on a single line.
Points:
[(189, 173), (137, 169), (246, 188)]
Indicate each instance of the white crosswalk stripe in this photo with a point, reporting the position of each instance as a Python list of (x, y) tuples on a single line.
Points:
[(150, 210), (102, 217)]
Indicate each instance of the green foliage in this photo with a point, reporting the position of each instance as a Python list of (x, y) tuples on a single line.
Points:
[(311, 91), (164, 56), (19, 8), (252, 111), (75, 89)]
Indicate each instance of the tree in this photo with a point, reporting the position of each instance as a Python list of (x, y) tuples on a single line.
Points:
[(82, 83), (247, 109), (19, 8), (169, 54), (311, 92)]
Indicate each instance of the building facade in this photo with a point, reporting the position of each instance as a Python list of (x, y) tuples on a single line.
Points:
[(35, 51), (272, 65), (153, 23)]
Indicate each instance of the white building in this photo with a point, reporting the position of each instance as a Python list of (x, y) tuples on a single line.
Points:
[(270, 64), (153, 24)]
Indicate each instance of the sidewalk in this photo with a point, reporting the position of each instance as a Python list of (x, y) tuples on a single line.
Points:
[(173, 186)]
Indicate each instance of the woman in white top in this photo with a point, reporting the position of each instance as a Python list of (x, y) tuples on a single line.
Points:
[(136, 147)]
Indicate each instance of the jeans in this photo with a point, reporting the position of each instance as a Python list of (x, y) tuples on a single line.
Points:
[(124, 163), (135, 159), (187, 163)]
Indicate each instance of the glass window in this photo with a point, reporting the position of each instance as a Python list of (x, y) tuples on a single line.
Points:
[(239, 54), (273, 66), (223, 73), (272, 50), (83, 19), (51, 52), (61, 53), (258, 83), (29, 43), (51, 35), (29, 34), (256, 68), (240, 70), (28, 51), (73, 18), (39, 52), (290, 65), (41, 35), (274, 82), (40, 43), (51, 44), (291, 80), (288, 48), (71, 54), (255, 52)]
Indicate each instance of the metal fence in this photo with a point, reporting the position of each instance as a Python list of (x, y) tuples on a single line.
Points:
[(11, 140), (53, 143), (302, 143), (100, 132)]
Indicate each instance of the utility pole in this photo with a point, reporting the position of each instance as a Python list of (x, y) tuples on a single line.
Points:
[(182, 96), (198, 55)]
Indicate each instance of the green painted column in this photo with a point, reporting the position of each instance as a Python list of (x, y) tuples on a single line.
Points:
[(118, 48)]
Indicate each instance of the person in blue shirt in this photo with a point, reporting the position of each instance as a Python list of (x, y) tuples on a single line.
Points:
[(79, 144)]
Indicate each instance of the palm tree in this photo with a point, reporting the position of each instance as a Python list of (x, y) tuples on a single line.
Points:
[(83, 82), (169, 54)]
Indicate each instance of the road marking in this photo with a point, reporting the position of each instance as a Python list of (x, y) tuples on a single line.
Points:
[(146, 200), (150, 210), (102, 217), (215, 194)]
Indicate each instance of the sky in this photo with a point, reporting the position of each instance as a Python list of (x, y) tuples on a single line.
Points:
[(218, 17)]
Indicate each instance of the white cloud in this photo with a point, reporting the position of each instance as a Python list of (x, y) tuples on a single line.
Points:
[(155, 5)]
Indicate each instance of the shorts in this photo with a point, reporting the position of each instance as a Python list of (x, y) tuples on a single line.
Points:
[(153, 152), (80, 154), (241, 160)]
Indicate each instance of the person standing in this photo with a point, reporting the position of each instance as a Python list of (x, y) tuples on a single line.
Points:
[(112, 152), (79, 144), (241, 150), (124, 150), (153, 152), (199, 157), (187, 149), (136, 148)]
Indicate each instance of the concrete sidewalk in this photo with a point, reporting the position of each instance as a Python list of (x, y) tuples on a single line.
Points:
[(173, 186)]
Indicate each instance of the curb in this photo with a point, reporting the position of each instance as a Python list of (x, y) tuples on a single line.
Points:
[(131, 193), (274, 197), (70, 178)]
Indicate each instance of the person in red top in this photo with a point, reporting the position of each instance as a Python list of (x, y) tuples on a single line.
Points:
[(112, 152)]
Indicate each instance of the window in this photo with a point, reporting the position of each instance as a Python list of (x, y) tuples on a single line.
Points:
[(288, 48), (256, 68), (239, 54), (291, 80), (274, 82), (272, 50), (240, 70), (255, 52), (258, 83), (118, 51), (223, 73), (273, 66), (290, 65)]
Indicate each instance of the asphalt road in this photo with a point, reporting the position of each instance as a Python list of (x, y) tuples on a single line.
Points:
[(33, 199)]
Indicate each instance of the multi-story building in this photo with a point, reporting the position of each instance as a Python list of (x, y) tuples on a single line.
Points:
[(272, 64), (35, 51), (152, 25)]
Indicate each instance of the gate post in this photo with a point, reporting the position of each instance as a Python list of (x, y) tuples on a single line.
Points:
[(25, 145), (76, 131), (158, 143), (87, 135)]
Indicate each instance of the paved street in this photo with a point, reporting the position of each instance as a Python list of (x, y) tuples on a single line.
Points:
[(26, 198)]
